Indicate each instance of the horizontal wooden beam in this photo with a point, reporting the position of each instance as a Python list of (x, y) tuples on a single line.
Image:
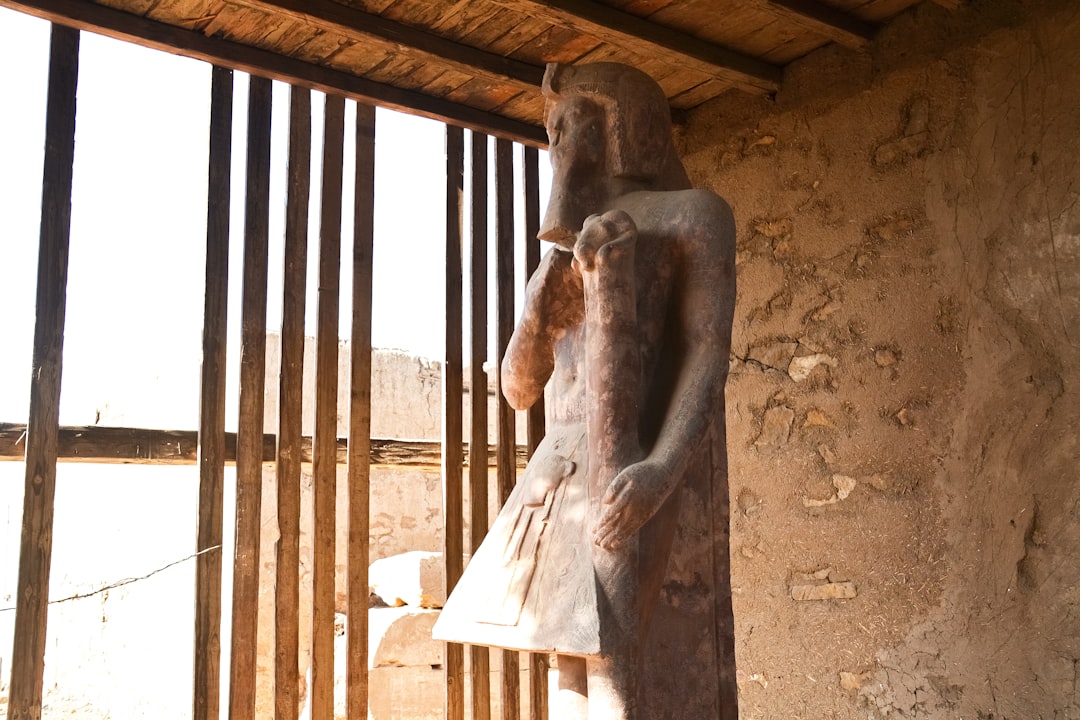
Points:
[(144, 446), (636, 34), (827, 21), (357, 25), (120, 25)]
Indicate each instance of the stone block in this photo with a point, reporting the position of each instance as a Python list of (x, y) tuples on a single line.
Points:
[(416, 578), (401, 637)]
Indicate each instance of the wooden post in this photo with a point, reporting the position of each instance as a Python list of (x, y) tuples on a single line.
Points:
[(506, 472), (245, 596), (324, 468), (356, 672), (35, 550), (452, 396), (479, 657), (291, 410), (207, 690), (538, 662)]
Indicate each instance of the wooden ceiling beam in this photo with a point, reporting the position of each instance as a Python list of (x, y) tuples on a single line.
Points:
[(360, 26), (120, 25), (827, 21), (638, 35)]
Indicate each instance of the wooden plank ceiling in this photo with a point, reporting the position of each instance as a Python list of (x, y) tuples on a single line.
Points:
[(480, 62)]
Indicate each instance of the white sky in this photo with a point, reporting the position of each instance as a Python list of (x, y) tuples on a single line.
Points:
[(134, 312)]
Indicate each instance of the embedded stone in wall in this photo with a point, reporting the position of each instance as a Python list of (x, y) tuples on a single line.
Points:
[(776, 426), (825, 591), (800, 367), (773, 355)]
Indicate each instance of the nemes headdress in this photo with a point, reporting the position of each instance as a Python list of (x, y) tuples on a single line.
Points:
[(639, 130)]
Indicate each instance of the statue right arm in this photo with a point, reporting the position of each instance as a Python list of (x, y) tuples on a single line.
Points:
[(554, 302)]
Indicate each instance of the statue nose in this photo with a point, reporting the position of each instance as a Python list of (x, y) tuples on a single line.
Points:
[(558, 234)]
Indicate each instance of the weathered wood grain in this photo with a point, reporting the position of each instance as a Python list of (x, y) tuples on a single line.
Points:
[(35, 547), (557, 44), (649, 39), (149, 446), (358, 26), (291, 409), (177, 40), (479, 657), (245, 595), (211, 437), (324, 470), (844, 28), (359, 465), (452, 416), (506, 474)]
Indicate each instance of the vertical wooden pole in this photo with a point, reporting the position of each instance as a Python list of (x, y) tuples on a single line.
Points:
[(326, 386), (249, 437), (291, 409), (452, 397), (538, 662), (35, 550), (207, 690), (506, 441), (479, 658), (356, 672)]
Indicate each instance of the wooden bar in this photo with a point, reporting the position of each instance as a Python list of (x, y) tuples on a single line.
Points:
[(211, 440), (125, 26), (359, 478), (479, 657), (148, 446), (452, 395), (245, 595), (538, 662), (531, 195), (291, 410), (505, 421), (324, 468), (35, 549)]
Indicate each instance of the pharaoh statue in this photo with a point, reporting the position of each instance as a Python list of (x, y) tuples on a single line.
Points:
[(627, 325)]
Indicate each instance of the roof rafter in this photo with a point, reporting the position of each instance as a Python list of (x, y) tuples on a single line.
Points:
[(637, 34), (357, 25), (189, 43), (827, 21)]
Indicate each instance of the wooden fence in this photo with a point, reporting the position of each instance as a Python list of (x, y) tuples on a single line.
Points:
[(42, 442)]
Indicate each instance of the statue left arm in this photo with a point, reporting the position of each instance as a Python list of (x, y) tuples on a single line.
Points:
[(704, 298)]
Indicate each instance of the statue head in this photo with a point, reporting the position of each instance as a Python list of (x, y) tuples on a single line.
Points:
[(609, 133)]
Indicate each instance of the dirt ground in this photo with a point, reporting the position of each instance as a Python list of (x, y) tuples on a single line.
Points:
[(902, 409)]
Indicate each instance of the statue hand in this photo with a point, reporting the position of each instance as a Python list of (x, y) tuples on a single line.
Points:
[(630, 501), (598, 231)]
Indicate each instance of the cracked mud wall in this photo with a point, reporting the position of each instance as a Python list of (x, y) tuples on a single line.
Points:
[(903, 402)]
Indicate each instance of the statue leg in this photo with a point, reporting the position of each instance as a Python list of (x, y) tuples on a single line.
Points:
[(614, 677), (572, 699), (628, 581)]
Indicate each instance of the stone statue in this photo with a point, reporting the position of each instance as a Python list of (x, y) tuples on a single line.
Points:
[(627, 323)]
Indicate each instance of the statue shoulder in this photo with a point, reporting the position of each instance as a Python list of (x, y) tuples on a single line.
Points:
[(704, 205)]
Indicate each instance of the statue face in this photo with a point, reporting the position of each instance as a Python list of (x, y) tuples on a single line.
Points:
[(577, 134)]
